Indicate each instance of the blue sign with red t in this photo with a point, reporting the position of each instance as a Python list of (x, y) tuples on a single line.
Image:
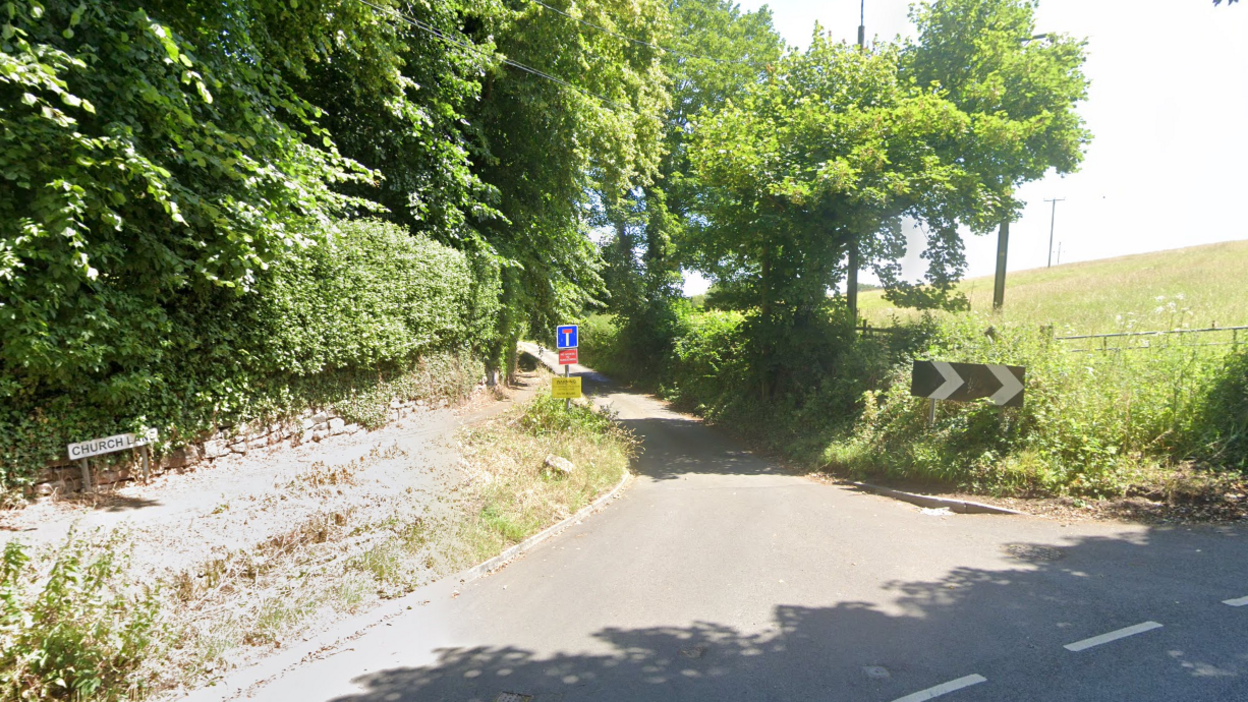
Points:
[(565, 336)]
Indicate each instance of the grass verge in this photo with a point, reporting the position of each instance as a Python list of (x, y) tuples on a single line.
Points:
[(515, 493), (74, 625)]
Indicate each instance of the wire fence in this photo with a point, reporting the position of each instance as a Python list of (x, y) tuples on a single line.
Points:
[(1123, 341), (1145, 340)]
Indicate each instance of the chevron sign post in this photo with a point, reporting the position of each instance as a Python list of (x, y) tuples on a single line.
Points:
[(962, 382)]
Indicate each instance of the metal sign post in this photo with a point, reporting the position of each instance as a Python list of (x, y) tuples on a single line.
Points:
[(84, 450), (566, 341)]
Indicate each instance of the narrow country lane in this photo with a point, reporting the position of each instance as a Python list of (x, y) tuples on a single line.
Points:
[(717, 576)]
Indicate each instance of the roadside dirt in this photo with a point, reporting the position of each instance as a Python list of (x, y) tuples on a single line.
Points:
[(181, 519)]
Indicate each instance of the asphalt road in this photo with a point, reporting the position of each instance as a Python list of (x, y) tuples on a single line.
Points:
[(717, 576)]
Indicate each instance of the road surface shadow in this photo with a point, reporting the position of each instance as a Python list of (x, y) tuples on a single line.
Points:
[(679, 446), (1009, 625)]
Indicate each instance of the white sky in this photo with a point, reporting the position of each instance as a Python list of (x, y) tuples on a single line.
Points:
[(1168, 110)]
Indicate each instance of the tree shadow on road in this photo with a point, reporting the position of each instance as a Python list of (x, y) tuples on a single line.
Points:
[(1009, 624), (677, 446)]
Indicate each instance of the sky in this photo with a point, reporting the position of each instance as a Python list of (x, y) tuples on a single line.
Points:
[(1168, 111)]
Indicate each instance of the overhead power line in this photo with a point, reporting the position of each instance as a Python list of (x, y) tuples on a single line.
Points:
[(430, 29)]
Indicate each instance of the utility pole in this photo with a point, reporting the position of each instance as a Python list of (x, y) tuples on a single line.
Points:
[(851, 278), (1003, 244), (1052, 219)]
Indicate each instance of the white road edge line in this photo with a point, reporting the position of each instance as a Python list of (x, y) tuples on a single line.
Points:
[(1112, 636), (942, 689), (1238, 602)]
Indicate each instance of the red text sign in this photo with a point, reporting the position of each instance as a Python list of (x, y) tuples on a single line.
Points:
[(567, 357)]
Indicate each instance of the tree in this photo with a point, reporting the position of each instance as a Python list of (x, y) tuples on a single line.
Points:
[(713, 53), (840, 144), (836, 145), (551, 148), (1020, 91)]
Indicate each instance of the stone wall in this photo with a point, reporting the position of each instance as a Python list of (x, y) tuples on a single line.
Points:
[(311, 426)]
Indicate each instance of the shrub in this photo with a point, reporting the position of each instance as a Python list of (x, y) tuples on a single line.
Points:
[(1093, 423), (78, 631), (1219, 433)]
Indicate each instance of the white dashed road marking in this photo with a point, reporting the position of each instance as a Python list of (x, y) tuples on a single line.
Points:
[(942, 689), (1112, 636), (1238, 602)]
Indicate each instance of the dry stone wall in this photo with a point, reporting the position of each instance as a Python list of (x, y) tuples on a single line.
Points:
[(311, 426)]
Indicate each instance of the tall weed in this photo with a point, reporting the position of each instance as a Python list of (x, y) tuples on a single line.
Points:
[(78, 630), (1098, 422)]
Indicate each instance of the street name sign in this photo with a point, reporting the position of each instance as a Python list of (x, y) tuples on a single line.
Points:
[(565, 336), (962, 382), (109, 444), (567, 357), (565, 388)]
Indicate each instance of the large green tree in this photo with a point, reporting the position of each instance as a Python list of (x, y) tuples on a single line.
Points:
[(841, 145), (552, 146), (714, 53)]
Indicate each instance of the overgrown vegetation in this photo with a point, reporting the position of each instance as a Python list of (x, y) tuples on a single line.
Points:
[(73, 626), (1094, 423), (1157, 416), (516, 493), (182, 235)]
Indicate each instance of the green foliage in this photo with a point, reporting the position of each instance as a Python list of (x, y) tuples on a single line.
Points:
[(713, 366), (370, 295), (551, 150), (1219, 434), (546, 416), (1093, 423), (141, 159), (718, 52), (78, 631), (368, 315), (837, 145)]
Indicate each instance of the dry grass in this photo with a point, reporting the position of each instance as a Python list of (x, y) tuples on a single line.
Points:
[(1198, 286), (336, 538), (514, 494)]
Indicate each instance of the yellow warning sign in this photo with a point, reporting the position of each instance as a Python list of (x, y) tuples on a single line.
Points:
[(566, 388)]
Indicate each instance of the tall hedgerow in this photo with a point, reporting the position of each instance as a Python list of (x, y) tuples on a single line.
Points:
[(354, 319)]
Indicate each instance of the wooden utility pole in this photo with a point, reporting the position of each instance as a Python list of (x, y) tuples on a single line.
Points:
[(851, 278), (1003, 244)]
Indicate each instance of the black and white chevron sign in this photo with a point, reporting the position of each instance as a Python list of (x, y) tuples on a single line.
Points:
[(961, 382)]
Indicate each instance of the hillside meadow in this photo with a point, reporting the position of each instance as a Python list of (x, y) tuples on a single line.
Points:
[(1199, 286)]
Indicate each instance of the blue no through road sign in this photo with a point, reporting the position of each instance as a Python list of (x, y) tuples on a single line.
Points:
[(565, 336)]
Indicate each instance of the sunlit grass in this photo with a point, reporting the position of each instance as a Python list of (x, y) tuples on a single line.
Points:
[(1200, 286)]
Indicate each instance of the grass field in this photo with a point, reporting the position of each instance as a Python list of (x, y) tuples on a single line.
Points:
[(1200, 286)]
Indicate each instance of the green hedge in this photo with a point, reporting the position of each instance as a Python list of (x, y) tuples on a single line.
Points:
[(366, 314)]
